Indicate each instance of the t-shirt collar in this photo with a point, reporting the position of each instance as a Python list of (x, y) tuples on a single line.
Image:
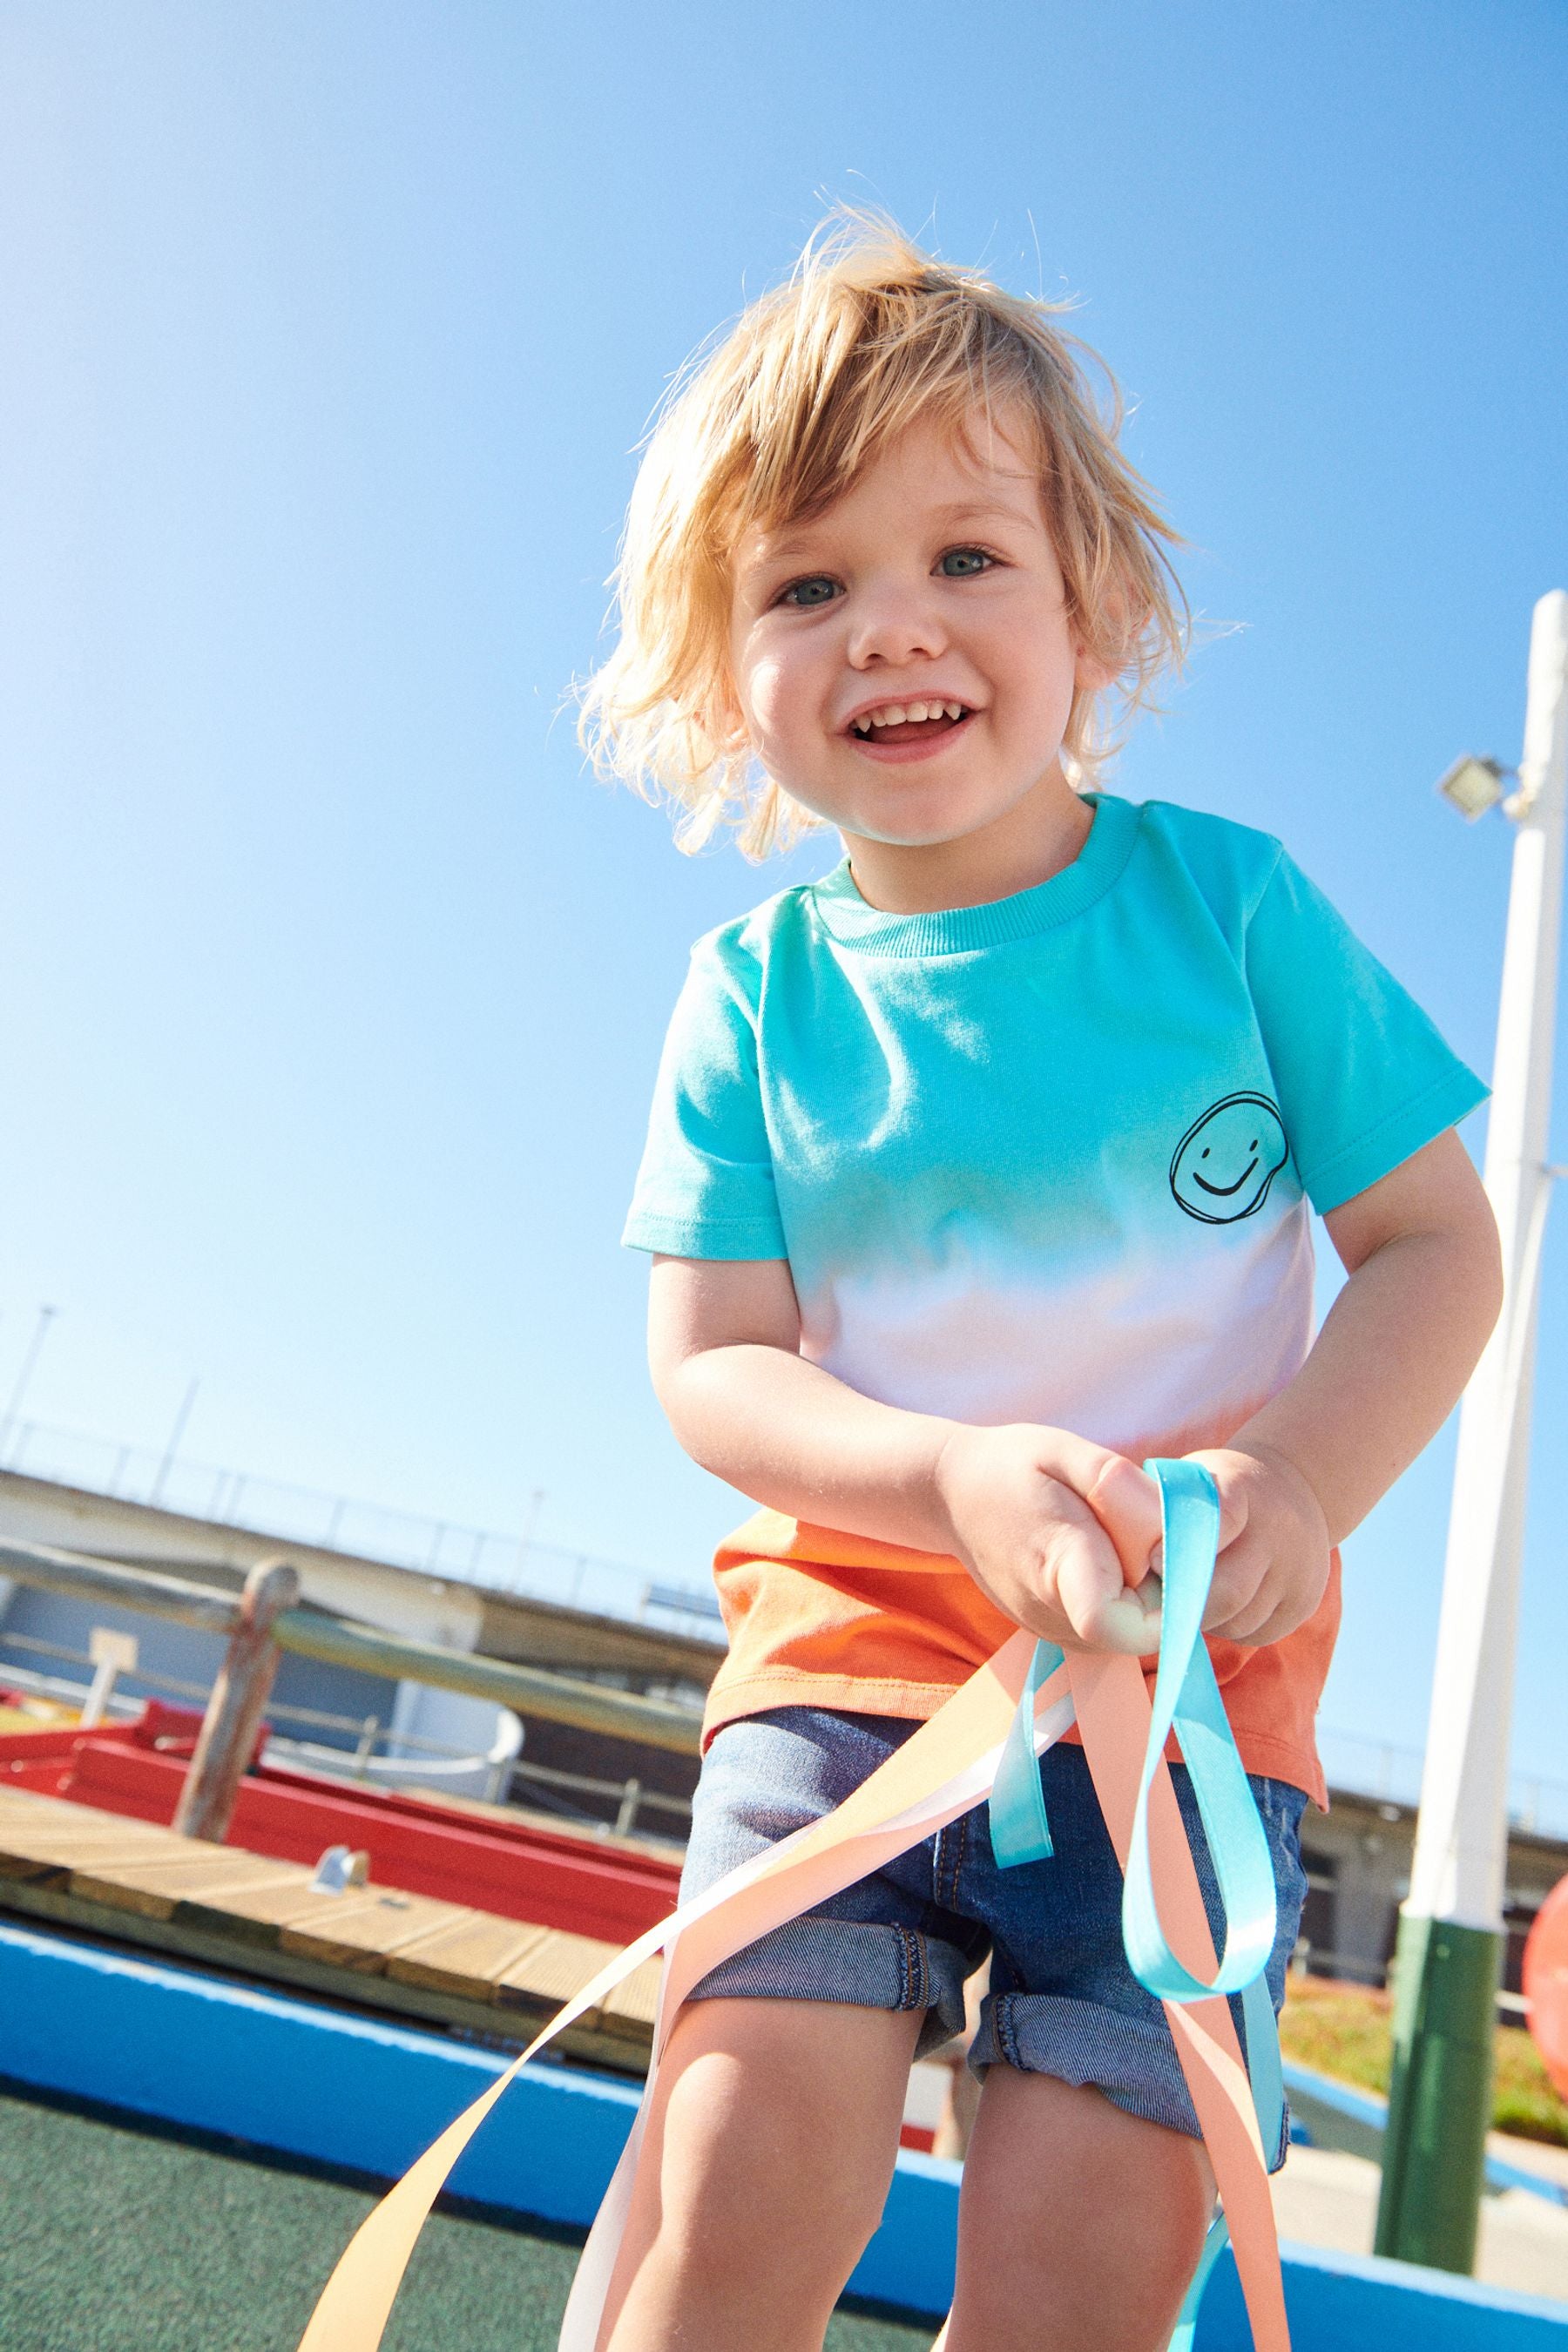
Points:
[(846, 916)]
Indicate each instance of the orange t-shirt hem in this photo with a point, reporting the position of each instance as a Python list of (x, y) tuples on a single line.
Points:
[(817, 1618)]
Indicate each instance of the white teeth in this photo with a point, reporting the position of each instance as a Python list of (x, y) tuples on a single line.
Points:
[(900, 714)]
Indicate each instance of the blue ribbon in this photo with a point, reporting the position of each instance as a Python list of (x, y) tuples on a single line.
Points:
[(1185, 2329), (1020, 1831), (1186, 1698)]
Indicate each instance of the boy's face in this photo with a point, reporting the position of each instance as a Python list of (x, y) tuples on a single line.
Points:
[(932, 580)]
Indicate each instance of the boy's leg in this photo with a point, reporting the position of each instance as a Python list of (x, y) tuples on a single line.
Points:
[(769, 2152), (1080, 2222), (1079, 2225)]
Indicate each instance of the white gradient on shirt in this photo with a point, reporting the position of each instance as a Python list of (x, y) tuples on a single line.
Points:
[(1145, 1341)]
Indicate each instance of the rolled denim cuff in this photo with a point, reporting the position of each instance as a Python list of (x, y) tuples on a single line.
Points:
[(1132, 2060), (866, 1965)]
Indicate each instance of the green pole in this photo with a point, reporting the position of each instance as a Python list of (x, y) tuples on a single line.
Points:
[(1440, 2093)]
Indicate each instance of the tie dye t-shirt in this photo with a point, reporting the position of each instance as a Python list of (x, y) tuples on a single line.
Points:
[(1043, 1160)]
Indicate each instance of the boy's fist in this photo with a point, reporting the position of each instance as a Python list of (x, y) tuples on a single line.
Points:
[(1273, 1561), (1057, 1532)]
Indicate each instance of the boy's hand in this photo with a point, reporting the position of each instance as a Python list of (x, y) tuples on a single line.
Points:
[(1057, 1532), (1273, 1563)]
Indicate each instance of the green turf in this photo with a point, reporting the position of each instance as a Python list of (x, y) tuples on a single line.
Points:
[(114, 2241)]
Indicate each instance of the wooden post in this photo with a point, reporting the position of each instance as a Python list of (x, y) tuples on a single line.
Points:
[(233, 1711)]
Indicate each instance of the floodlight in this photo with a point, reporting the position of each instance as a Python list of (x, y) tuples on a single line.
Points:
[(1473, 785)]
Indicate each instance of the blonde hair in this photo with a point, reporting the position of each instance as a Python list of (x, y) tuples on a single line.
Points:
[(868, 333)]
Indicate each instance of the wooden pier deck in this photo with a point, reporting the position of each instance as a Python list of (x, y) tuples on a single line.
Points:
[(377, 1947)]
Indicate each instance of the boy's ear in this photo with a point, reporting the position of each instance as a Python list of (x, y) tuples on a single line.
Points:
[(720, 715), (1094, 670), (1090, 674), (1121, 616)]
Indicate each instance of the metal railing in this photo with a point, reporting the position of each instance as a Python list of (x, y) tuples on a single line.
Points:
[(1390, 1774), (356, 1763), (309, 1633), (512, 1566)]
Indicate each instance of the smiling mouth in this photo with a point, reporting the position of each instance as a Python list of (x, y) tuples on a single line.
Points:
[(934, 723), (1224, 1191)]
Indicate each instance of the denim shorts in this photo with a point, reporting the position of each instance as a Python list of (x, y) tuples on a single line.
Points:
[(1063, 2000)]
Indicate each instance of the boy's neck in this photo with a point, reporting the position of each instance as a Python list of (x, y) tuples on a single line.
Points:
[(1026, 845)]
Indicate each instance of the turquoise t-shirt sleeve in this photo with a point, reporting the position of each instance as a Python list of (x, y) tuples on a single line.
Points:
[(705, 1188), (1363, 1078)]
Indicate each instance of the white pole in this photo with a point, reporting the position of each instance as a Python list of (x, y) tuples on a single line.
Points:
[(1450, 1930), (1462, 1844)]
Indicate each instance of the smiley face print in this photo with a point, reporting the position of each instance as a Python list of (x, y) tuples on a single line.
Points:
[(1227, 1159)]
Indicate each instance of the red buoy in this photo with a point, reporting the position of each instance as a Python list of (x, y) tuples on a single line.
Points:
[(1546, 1983)]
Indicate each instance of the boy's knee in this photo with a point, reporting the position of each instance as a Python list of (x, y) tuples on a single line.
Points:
[(777, 2178), (744, 2237), (773, 2165), (804, 2252)]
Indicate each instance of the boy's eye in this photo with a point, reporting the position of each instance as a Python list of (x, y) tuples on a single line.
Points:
[(806, 594), (963, 563)]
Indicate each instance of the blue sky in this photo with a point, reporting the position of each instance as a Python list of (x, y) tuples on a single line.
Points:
[(333, 989)]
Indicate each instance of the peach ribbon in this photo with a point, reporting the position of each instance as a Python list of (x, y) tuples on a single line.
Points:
[(943, 1768)]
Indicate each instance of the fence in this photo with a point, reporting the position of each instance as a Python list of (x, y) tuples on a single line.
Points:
[(264, 1620), (1391, 1774), (514, 1566), (510, 1770)]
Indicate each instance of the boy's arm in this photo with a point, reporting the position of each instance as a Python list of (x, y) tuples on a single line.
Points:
[(1055, 1529), (1390, 1362), (1025, 1508)]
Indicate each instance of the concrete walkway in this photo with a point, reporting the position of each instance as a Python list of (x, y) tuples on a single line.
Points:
[(1325, 2197)]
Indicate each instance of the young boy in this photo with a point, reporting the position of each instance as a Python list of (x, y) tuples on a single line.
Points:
[(979, 1171)]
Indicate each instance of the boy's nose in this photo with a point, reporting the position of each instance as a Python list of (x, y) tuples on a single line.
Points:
[(895, 627)]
